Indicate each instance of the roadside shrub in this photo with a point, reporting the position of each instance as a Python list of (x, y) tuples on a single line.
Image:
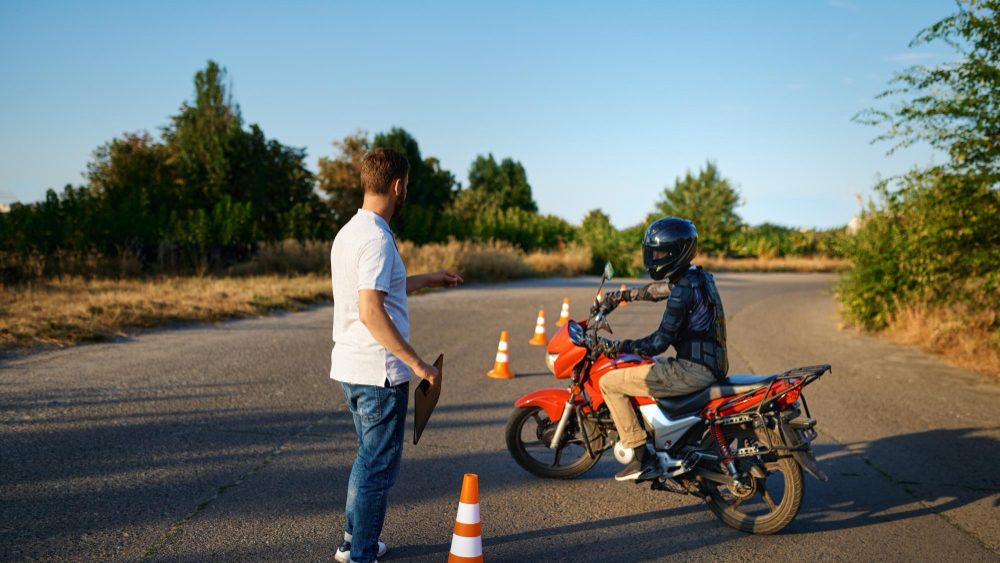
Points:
[(933, 241)]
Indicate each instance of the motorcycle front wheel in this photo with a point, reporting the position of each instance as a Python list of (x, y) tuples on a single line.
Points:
[(529, 433)]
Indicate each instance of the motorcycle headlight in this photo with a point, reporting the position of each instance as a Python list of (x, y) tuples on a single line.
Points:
[(550, 360)]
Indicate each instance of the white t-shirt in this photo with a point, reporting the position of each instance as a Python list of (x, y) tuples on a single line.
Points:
[(364, 256)]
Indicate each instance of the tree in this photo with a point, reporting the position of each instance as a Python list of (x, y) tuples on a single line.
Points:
[(340, 177), (708, 200), (506, 181), (134, 185), (954, 106), (431, 188), (607, 244), (273, 179), (199, 136)]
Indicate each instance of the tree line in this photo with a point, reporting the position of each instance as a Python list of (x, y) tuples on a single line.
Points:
[(210, 189)]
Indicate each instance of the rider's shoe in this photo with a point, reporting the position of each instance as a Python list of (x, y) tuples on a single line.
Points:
[(343, 554), (640, 468)]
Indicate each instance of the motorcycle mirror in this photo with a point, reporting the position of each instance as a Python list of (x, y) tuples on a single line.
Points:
[(609, 270)]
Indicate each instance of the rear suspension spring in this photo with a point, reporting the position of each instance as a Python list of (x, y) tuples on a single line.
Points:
[(720, 438)]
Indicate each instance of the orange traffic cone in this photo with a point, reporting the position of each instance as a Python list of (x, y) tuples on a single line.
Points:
[(539, 338), (501, 369), (467, 541), (564, 314)]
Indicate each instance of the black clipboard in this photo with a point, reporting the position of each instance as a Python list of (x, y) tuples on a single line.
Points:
[(424, 401)]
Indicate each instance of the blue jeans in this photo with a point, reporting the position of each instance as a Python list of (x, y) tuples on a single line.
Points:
[(379, 419)]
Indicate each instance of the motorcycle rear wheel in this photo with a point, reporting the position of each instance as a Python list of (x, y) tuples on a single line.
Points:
[(527, 429), (761, 513)]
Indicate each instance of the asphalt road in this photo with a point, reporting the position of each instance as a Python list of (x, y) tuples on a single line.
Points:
[(229, 442)]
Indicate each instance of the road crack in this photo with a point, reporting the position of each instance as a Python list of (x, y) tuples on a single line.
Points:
[(905, 485), (177, 525)]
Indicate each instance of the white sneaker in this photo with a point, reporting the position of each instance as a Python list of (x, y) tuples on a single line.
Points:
[(343, 554)]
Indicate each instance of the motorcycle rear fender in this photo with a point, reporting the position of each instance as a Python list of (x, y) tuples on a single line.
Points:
[(804, 456), (552, 401)]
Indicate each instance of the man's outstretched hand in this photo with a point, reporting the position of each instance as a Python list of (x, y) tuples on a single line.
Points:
[(444, 278)]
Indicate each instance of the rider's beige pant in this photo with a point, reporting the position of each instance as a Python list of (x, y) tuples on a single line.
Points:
[(668, 377)]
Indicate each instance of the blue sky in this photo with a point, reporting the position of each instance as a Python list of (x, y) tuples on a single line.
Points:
[(605, 104)]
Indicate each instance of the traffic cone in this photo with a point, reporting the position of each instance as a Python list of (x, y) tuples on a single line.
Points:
[(467, 541), (623, 289), (501, 369), (539, 338), (564, 314)]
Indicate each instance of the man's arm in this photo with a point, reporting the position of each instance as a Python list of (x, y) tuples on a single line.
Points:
[(371, 312), (444, 278)]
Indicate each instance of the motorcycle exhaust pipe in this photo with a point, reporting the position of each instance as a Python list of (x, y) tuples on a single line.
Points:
[(561, 427)]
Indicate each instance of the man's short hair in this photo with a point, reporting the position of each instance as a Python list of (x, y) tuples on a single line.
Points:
[(380, 167)]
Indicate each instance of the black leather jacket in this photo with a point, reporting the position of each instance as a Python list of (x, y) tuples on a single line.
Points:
[(693, 322)]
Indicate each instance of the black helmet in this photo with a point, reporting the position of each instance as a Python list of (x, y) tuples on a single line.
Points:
[(677, 238)]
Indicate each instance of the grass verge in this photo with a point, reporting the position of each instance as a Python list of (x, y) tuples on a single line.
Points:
[(74, 310), (802, 264), (963, 335)]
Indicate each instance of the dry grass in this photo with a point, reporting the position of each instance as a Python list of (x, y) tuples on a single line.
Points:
[(963, 335), (572, 261), (492, 261), (784, 264), (76, 310), (287, 257)]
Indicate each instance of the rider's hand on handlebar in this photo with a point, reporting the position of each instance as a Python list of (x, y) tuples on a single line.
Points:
[(609, 348)]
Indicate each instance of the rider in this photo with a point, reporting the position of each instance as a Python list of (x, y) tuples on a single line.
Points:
[(693, 322)]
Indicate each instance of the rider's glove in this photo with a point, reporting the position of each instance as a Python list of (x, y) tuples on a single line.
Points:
[(609, 348), (610, 301)]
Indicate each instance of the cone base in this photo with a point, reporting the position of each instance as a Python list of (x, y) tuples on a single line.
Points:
[(537, 341), (500, 374)]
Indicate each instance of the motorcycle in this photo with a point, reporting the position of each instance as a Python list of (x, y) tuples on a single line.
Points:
[(739, 445)]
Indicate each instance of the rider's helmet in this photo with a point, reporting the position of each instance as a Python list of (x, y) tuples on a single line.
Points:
[(668, 247)]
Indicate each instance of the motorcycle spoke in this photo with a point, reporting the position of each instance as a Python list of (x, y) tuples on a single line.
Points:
[(737, 501), (767, 497), (558, 456)]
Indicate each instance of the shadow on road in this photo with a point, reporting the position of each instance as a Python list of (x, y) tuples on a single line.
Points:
[(70, 470), (900, 477)]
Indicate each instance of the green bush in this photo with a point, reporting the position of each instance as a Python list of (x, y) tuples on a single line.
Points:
[(933, 241)]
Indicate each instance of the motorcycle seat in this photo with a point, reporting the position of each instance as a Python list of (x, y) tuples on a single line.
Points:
[(733, 385)]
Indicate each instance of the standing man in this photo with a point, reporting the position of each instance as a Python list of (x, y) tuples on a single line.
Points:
[(371, 357)]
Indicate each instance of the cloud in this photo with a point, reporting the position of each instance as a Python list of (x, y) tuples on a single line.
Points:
[(908, 57)]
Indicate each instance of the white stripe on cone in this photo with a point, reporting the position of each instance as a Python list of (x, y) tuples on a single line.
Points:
[(466, 547), (503, 346), (539, 330), (501, 357), (468, 513)]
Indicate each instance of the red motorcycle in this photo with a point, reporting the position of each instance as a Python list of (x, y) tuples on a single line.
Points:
[(740, 445)]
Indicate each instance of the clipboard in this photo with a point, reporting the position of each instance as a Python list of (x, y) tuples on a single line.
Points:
[(424, 401)]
